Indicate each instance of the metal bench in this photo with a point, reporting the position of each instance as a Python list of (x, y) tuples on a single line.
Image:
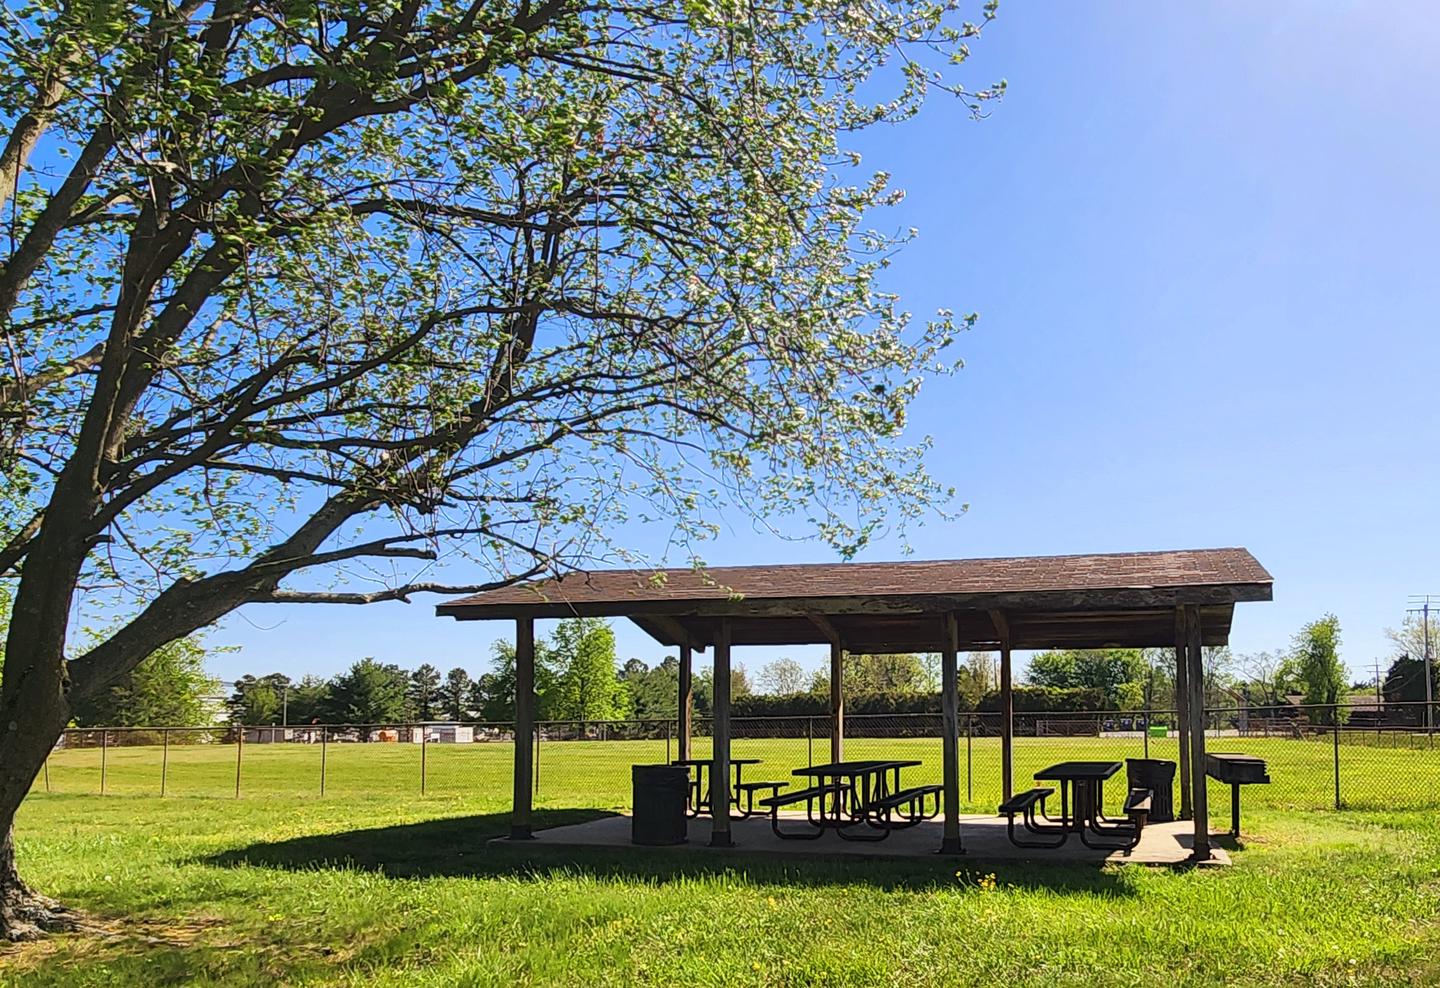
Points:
[(1137, 811), (809, 798), (909, 803), (745, 808), (1027, 804)]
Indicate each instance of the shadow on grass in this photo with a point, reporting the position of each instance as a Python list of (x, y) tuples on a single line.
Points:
[(458, 847)]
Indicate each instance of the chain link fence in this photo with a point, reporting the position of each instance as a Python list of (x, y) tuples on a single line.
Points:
[(1324, 756)]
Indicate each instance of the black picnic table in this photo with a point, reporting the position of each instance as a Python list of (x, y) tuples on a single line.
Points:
[(859, 784), (1080, 806), (700, 801)]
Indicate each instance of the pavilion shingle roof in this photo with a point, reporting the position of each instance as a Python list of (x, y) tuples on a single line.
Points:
[(1022, 574)]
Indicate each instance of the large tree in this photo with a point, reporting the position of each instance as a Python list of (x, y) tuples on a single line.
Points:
[(588, 685), (455, 694), (1321, 675), (424, 692), (169, 689), (371, 693), (782, 676), (654, 691), (367, 286), (1120, 674)]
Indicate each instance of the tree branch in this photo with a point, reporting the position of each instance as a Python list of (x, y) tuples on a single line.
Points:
[(396, 593)]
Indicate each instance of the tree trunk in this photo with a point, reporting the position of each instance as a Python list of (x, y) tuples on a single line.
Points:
[(25, 915), (34, 707)]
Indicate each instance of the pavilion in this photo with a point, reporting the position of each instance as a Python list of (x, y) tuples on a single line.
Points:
[(1181, 599)]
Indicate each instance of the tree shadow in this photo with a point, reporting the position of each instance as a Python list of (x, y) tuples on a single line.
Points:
[(459, 847)]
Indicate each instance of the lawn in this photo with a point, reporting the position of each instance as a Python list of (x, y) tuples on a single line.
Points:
[(387, 887), (598, 773)]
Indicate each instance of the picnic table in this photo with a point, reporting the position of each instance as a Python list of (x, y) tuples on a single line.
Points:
[(1081, 809), (859, 783), (846, 795), (699, 802), (1086, 781)]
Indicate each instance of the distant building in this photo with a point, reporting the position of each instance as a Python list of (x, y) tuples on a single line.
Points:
[(445, 733)]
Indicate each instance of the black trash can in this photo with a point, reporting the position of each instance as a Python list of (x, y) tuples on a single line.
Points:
[(658, 796), (1157, 775)]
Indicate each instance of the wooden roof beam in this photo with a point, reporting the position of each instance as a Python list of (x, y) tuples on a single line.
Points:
[(1002, 625), (827, 628), (670, 628)]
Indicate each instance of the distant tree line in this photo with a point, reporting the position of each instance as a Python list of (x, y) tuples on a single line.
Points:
[(1309, 671), (576, 678)]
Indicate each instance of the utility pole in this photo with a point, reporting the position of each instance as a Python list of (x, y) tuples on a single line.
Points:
[(285, 705), (1420, 604)]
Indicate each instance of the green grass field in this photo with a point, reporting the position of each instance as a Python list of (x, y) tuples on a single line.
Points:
[(376, 885), (598, 772)]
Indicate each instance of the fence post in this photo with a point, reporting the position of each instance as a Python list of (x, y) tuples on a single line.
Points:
[(538, 731), (164, 758), (969, 758), (1145, 732), (809, 741), (104, 750), (324, 738), (239, 751), (667, 742), (424, 743), (1335, 734)]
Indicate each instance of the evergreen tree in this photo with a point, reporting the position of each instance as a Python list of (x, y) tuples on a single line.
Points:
[(309, 700), (423, 693), (455, 694), (654, 690), (369, 692), (254, 700)]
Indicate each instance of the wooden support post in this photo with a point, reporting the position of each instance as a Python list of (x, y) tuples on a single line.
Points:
[(1182, 711), (1007, 706), (1199, 799), (837, 702), (720, 766), (949, 749), (524, 729), (837, 684), (687, 701)]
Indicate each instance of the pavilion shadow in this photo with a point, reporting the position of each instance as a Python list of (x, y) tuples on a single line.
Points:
[(458, 847)]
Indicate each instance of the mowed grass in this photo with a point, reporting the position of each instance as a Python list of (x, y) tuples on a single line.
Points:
[(375, 884)]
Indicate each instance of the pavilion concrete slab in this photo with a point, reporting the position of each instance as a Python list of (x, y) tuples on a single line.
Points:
[(984, 839)]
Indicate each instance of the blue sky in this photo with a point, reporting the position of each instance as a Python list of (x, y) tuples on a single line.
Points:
[(1202, 240)]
